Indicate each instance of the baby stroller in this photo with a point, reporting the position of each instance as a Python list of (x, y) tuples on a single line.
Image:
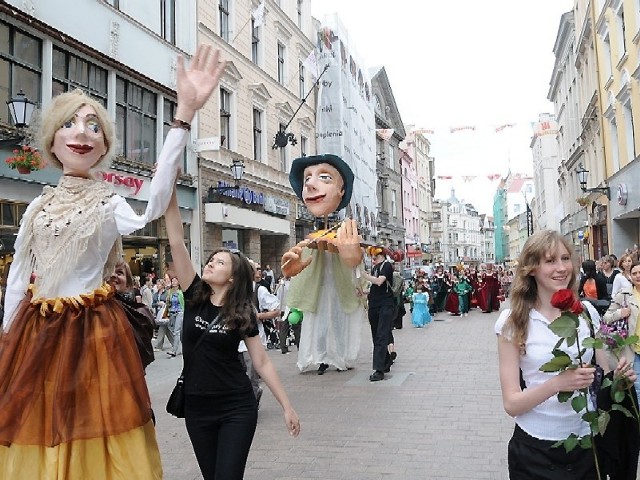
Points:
[(271, 331)]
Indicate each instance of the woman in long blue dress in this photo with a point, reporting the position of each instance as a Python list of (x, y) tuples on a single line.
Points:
[(420, 315)]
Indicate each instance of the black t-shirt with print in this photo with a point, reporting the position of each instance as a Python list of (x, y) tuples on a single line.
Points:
[(380, 295), (214, 367)]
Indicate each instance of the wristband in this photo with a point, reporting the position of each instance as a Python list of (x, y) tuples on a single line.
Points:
[(181, 124)]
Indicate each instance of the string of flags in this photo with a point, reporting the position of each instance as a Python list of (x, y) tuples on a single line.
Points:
[(539, 128), (470, 178)]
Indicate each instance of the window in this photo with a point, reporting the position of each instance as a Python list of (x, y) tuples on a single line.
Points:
[(299, 9), (168, 20), (302, 88), (255, 43), (394, 210), (20, 66), (11, 213), (224, 19), (136, 121), (225, 118), (70, 71), (303, 146), (169, 113), (150, 230), (257, 135), (281, 71), (391, 159)]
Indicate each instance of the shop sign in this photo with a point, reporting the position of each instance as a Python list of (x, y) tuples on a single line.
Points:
[(276, 205), (245, 194), (118, 179), (304, 214)]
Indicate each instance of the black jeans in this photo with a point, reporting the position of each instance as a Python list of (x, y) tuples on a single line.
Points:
[(534, 459), (221, 431), (381, 321)]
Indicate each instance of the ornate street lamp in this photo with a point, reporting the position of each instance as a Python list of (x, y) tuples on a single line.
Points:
[(237, 171), (583, 175)]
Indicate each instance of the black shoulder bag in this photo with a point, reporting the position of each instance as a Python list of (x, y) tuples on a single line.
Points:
[(175, 404)]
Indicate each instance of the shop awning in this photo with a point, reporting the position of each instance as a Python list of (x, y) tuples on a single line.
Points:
[(235, 217)]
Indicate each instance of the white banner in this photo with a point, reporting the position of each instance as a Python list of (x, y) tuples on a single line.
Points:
[(345, 120)]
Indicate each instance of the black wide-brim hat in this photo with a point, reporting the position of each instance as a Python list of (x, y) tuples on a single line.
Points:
[(297, 173)]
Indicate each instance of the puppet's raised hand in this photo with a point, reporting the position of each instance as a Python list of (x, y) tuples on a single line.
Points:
[(292, 263), (348, 243), (196, 83)]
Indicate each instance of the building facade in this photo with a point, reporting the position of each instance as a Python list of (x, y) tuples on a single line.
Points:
[(264, 83), (391, 132), (548, 209), (51, 49)]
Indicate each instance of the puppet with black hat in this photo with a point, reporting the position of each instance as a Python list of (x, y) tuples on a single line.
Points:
[(324, 284)]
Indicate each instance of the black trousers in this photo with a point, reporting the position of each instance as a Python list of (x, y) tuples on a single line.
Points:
[(381, 321), (534, 459), (221, 431)]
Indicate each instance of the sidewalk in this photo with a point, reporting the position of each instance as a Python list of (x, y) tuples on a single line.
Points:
[(437, 415)]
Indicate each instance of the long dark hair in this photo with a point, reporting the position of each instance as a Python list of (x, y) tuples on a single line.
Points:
[(589, 268), (237, 305)]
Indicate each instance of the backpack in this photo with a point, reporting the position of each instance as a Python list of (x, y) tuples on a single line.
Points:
[(396, 286), (589, 288)]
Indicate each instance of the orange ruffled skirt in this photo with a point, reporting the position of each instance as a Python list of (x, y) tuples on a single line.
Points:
[(74, 402)]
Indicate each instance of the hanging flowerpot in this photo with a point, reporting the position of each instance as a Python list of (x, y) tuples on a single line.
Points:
[(23, 170), (25, 160)]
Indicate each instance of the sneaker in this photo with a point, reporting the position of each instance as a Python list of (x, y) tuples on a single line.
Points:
[(376, 376), (322, 368), (171, 354)]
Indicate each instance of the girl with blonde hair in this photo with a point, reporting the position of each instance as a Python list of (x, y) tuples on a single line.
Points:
[(525, 343)]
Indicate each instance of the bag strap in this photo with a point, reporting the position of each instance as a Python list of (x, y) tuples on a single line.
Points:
[(198, 343)]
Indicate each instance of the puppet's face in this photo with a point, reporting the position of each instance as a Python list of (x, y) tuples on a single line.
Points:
[(323, 189), (79, 142)]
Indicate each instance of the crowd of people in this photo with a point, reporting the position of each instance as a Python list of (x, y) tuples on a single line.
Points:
[(459, 290)]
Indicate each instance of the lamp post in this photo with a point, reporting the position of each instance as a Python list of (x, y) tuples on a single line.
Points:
[(20, 110), (583, 175), (237, 171)]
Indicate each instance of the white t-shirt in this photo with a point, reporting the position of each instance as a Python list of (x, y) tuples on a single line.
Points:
[(550, 420)]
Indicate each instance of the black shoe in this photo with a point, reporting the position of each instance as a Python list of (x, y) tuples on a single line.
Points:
[(393, 356), (322, 368), (376, 376)]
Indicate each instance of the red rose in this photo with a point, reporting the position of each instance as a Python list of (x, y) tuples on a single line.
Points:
[(563, 299), (577, 307)]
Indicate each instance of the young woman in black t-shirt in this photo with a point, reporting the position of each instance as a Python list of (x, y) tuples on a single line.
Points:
[(220, 409)]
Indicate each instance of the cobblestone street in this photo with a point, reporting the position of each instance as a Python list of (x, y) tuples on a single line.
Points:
[(437, 415)]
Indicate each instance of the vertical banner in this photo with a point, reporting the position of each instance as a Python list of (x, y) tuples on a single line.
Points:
[(345, 120)]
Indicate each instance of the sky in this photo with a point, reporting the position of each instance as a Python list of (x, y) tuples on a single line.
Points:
[(462, 63)]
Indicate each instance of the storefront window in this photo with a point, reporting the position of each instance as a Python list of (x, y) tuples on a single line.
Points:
[(70, 72), (11, 213), (136, 121), (233, 239), (20, 66)]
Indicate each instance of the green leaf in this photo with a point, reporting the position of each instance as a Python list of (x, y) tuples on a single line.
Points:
[(564, 326), (571, 443), (564, 396), (571, 340), (606, 383), (559, 362), (619, 408), (557, 345), (585, 442), (603, 421), (618, 396), (559, 443), (590, 417), (590, 342), (579, 403)]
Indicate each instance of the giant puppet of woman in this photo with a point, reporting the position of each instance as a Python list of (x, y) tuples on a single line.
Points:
[(324, 285), (73, 396)]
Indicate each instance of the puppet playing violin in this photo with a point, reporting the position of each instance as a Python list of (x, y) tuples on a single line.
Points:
[(324, 284)]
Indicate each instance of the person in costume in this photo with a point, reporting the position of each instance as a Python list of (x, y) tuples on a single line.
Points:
[(463, 290), (323, 284), (73, 396), (420, 315)]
